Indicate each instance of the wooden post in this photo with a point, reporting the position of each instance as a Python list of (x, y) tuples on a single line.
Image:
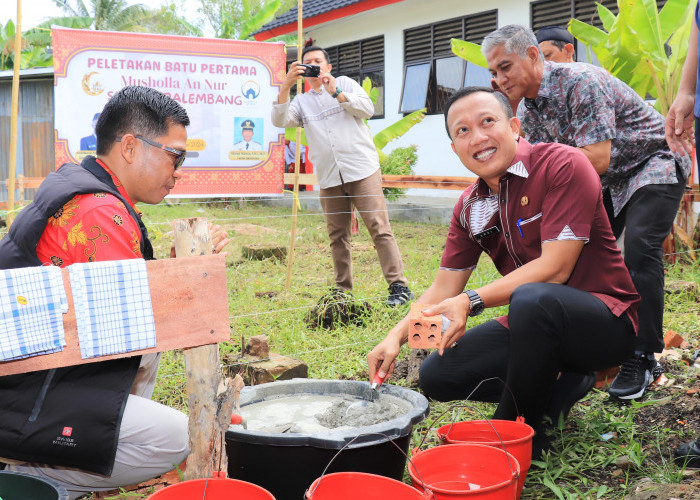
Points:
[(14, 112), (211, 397), (297, 151)]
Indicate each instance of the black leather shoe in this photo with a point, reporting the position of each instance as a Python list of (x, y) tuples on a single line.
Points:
[(569, 388), (688, 454)]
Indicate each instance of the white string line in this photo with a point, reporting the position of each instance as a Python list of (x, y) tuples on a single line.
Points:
[(351, 299), (311, 214), (297, 354)]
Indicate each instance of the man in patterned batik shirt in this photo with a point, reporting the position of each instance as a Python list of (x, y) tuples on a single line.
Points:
[(584, 106), (87, 213)]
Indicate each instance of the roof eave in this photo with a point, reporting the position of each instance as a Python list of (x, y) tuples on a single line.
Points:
[(332, 15)]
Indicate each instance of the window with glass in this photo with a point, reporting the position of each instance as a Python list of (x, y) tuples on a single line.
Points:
[(360, 60), (431, 71)]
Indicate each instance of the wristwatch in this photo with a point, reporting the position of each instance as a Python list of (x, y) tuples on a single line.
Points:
[(337, 93), (476, 304)]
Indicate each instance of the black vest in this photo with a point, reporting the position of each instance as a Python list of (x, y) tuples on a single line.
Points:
[(67, 416)]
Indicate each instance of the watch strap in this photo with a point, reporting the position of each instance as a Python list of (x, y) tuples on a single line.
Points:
[(337, 93), (476, 304)]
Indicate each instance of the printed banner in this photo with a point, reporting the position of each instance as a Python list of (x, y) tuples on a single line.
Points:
[(226, 86)]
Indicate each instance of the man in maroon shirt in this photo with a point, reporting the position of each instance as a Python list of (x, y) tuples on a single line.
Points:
[(537, 211)]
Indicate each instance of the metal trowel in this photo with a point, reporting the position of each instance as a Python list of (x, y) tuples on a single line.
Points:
[(370, 396)]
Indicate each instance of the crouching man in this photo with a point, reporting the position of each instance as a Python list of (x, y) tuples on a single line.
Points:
[(537, 211)]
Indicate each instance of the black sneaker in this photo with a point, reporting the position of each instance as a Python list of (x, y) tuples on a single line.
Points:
[(568, 390), (688, 454), (636, 375), (399, 295)]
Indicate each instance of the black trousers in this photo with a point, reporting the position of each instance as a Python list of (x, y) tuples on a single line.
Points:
[(647, 218), (552, 328)]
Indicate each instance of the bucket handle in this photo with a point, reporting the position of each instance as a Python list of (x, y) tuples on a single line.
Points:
[(452, 407), (515, 473), (515, 403), (426, 492)]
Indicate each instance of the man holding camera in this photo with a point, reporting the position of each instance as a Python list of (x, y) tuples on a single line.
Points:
[(341, 147)]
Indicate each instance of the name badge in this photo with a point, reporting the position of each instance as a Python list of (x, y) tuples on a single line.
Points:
[(487, 232)]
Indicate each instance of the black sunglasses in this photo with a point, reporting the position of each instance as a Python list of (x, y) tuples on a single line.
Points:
[(177, 153)]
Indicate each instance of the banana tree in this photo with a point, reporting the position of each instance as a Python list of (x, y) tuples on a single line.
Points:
[(634, 45)]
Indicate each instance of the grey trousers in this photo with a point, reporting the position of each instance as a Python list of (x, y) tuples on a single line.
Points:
[(366, 194), (153, 440)]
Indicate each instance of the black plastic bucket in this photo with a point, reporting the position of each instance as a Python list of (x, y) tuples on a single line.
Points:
[(286, 464), (20, 486)]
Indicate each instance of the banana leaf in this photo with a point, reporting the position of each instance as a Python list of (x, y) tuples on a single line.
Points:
[(606, 16), (266, 13), (673, 15), (469, 51), (291, 135), (397, 129), (372, 92)]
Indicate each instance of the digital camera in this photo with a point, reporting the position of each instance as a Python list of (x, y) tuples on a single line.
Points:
[(310, 70)]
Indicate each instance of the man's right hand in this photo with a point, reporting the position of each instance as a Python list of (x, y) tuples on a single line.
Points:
[(294, 73), (679, 124), (382, 358)]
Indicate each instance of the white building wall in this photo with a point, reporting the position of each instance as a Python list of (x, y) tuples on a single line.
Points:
[(435, 156)]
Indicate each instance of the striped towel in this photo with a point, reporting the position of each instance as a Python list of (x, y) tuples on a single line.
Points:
[(32, 303), (113, 307)]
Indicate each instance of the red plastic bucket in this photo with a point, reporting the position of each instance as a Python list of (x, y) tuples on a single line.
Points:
[(515, 436), (355, 485), (216, 489), (466, 471)]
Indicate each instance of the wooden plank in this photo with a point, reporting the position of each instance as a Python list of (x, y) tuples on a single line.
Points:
[(190, 308), (427, 182), (309, 179), (403, 181), (210, 396)]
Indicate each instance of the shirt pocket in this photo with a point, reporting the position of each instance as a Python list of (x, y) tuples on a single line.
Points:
[(529, 229)]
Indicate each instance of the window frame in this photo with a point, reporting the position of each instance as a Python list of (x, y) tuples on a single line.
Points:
[(362, 68), (429, 43)]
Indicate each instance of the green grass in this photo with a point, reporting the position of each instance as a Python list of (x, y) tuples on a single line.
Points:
[(572, 470)]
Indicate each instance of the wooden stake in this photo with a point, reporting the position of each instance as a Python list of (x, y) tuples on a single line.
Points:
[(297, 152), (211, 397), (14, 112)]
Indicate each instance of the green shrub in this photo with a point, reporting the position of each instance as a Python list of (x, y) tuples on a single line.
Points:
[(399, 162)]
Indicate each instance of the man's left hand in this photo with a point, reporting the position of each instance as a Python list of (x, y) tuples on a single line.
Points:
[(456, 309), (328, 82), (219, 238)]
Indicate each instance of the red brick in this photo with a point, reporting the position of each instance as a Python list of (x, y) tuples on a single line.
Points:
[(424, 332), (605, 377), (672, 339)]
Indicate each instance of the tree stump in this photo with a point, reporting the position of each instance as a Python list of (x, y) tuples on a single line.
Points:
[(262, 252), (261, 371)]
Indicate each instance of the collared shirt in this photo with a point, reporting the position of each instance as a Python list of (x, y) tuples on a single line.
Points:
[(550, 192), (579, 104), (340, 144), (91, 227)]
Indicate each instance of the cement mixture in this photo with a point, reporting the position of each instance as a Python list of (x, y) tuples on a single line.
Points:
[(313, 413)]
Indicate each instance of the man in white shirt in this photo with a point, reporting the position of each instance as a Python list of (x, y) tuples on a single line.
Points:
[(341, 147)]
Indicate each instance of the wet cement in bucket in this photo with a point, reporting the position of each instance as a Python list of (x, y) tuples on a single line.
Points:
[(313, 413)]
